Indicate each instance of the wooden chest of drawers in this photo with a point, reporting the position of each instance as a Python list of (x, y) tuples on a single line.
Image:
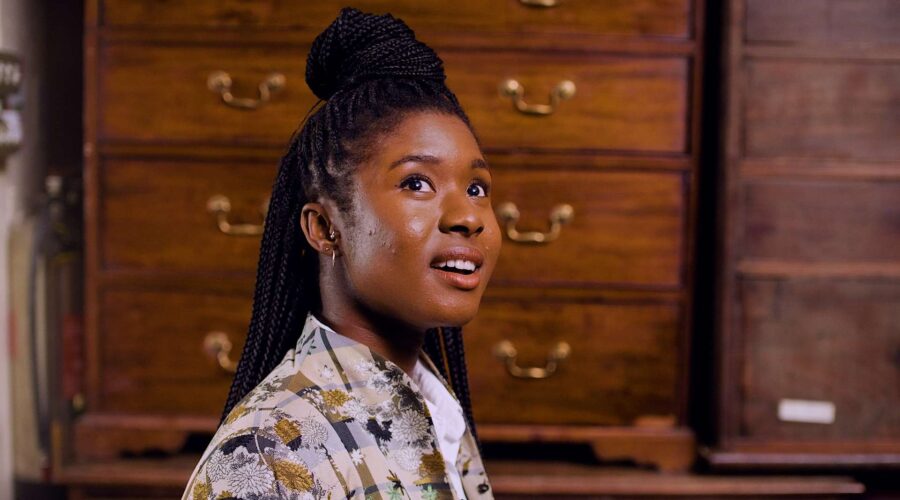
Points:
[(809, 293), (166, 283)]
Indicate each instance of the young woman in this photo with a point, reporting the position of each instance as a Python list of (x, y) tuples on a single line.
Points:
[(378, 244)]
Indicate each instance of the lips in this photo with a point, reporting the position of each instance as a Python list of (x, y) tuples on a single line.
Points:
[(459, 266)]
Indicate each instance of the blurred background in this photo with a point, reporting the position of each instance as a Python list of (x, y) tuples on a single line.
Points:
[(699, 290)]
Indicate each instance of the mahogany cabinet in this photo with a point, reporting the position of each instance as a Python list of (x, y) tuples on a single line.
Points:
[(809, 324), (580, 339)]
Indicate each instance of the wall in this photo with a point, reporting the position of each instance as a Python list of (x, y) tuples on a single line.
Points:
[(20, 179)]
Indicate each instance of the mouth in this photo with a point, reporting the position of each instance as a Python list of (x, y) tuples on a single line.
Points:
[(460, 267)]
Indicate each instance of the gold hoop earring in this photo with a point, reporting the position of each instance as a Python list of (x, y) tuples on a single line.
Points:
[(333, 253)]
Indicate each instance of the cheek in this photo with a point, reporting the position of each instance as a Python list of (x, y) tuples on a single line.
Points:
[(388, 266), (493, 238), (416, 225), (390, 242)]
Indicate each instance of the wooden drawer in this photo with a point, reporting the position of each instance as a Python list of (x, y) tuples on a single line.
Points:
[(817, 221), (154, 214), (626, 229), (822, 109), (829, 341), (627, 225), (159, 94), (635, 104), (823, 23), (152, 357), (667, 18), (623, 363)]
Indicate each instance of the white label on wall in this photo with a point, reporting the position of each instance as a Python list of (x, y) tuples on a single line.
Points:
[(806, 411)]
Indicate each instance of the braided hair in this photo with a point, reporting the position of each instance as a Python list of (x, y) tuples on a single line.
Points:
[(368, 72)]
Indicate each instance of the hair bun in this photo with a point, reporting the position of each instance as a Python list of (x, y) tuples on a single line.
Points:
[(358, 46)]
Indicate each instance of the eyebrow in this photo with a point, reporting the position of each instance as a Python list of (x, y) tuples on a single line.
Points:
[(433, 160), (480, 163)]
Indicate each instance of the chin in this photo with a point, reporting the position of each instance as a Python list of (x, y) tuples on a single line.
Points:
[(456, 313)]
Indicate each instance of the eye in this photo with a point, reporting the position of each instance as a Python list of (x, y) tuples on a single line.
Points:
[(417, 183), (477, 189)]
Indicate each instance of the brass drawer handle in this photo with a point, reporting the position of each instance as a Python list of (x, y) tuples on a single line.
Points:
[(516, 91), (507, 352), (540, 3), (559, 215), (220, 206), (220, 82), (217, 345)]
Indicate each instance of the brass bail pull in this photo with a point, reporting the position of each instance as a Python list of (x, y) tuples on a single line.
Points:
[(545, 4), (218, 345), (507, 353), (220, 82), (516, 91), (220, 206), (509, 216)]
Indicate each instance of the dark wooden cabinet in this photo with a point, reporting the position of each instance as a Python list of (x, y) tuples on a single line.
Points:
[(165, 278), (810, 284)]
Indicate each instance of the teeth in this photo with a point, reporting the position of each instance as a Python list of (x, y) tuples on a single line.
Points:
[(463, 265)]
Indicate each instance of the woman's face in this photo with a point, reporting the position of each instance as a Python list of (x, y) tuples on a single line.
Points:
[(422, 240)]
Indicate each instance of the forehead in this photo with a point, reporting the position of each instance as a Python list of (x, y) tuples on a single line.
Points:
[(436, 134)]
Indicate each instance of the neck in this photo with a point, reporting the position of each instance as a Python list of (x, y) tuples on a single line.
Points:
[(395, 341)]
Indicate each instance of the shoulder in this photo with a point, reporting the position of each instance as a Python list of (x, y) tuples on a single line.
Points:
[(262, 454), (278, 442), (270, 453)]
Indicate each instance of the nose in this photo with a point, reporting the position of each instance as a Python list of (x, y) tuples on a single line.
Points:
[(460, 215)]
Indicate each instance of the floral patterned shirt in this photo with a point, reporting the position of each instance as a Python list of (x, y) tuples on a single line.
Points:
[(333, 420)]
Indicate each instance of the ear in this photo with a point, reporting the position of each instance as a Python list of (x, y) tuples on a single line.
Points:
[(316, 226)]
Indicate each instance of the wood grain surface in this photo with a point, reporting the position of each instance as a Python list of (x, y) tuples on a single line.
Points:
[(670, 18), (822, 340), (626, 230), (823, 22), (152, 354), (633, 345), (159, 94), (155, 215), (823, 109), (810, 211), (822, 221)]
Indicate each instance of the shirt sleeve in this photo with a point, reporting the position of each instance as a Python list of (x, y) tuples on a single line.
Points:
[(252, 463)]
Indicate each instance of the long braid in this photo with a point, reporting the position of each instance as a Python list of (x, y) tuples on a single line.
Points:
[(280, 283), (368, 72)]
